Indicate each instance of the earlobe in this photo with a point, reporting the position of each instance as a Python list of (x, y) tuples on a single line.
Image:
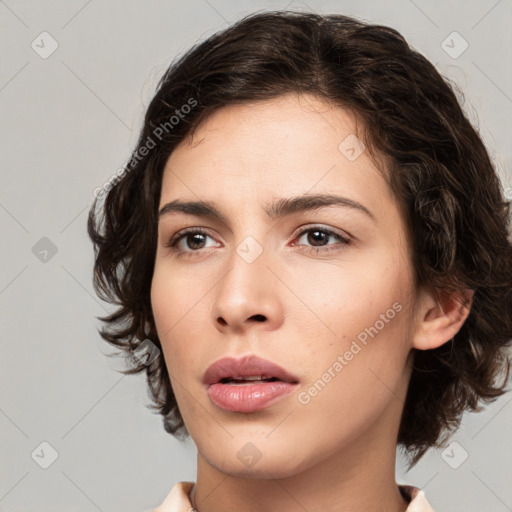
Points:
[(440, 316)]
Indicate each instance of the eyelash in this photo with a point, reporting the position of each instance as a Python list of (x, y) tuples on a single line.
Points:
[(172, 243)]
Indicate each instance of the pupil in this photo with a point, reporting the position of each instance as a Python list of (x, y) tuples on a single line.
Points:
[(313, 236), (196, 237)]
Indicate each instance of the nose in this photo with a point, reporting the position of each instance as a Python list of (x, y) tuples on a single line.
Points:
[(248, 296)]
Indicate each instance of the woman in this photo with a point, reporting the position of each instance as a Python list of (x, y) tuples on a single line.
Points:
[(297, 247)]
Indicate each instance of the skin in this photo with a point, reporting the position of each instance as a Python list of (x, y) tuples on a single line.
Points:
[(336, 452)]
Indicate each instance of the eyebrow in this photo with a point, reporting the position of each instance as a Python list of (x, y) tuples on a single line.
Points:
[(278, 208)]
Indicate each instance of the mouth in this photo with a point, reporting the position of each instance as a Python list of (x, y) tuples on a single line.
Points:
[(248, 384)]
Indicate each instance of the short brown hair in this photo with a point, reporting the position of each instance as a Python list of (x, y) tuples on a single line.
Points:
[(440, 172)]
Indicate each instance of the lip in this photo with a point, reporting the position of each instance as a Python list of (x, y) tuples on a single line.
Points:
[(247, 397)]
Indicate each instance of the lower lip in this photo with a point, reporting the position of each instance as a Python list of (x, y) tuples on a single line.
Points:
[(248, 397)]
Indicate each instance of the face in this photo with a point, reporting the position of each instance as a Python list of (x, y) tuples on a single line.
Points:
[(325, 293)]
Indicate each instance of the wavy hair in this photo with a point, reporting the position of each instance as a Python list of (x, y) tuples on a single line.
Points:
[(439, 170)]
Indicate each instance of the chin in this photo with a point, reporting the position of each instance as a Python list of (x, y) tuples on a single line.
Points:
[(277, 468), (255, 457)]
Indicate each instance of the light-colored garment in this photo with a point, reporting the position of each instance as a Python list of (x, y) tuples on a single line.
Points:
[(178, 501)]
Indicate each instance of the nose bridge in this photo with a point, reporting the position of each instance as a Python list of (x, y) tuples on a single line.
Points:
[(248, 290)]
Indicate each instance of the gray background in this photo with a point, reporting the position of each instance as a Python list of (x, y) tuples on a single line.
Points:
[(69, 122)]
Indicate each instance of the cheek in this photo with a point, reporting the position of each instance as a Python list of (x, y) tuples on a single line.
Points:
[(181, 316), (170, 313), (173, 299), (363, 313), (163, 304), (345, 298), (357, 377), (170, 304)]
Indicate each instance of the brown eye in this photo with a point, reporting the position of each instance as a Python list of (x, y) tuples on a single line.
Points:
[(318, 237), (191, 240)]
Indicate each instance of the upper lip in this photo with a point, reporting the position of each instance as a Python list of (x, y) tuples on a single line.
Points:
[(245, 367)]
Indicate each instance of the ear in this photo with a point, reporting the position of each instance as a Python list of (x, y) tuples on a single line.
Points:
[(440, 316)]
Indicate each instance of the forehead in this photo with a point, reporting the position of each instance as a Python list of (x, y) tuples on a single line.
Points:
[(286, 146)]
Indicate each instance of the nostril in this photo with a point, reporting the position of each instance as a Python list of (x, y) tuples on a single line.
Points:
[(259, 318)]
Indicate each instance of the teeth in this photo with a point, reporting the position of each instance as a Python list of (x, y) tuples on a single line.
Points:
[(248, 378)]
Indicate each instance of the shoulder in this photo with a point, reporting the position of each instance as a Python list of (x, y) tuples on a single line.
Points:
[(417, 499), (177, 500)]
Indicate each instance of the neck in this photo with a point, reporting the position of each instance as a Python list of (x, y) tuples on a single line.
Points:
[(360, 476)]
